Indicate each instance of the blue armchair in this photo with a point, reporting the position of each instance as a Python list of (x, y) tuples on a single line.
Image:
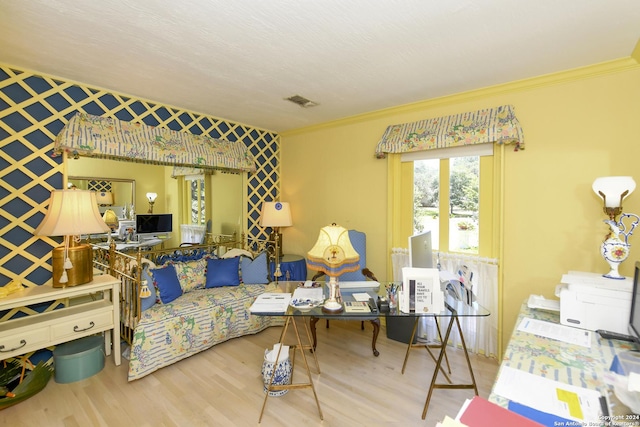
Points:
[(359, 242)]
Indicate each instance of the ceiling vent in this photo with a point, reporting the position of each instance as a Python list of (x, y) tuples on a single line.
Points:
[(301, 101)]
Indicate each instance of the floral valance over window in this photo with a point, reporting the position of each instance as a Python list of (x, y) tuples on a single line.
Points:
[(495, 125), (109, 138)]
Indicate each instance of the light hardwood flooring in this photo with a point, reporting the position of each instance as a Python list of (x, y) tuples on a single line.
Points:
[(222, 386)]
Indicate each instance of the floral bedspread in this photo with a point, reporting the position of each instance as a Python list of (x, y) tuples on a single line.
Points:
[(194, 322)]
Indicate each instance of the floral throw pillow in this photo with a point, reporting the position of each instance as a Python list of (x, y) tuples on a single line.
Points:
[(191, 274)]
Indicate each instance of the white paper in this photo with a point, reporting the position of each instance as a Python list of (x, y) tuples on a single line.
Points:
[(274, 302), (564, 400), (361, 296), (540, 302), (634, 382), (347, 284), (556, 331)]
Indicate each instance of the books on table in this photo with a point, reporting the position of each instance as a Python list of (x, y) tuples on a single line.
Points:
[(271, 302), (479, 412)]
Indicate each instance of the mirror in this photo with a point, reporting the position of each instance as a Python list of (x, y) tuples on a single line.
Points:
[(122, 191), (226, 191)]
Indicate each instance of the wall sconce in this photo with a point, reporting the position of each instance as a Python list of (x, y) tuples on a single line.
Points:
[(613, 190), (151, 197), (276, 215), (72, 213)]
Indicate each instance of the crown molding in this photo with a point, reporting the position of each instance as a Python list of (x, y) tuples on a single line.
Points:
[(595, 70)]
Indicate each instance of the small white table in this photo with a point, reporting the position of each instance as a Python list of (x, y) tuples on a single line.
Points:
[(86, 310)]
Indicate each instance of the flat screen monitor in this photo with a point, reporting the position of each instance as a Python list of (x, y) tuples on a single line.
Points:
[(420, 252), (634, 321), (154, 223)]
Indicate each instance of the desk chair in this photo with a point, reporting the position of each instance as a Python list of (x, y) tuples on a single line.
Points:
[(359, 243)]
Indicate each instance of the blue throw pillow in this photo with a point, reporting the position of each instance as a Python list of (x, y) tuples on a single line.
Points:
[(148, 302), (254, 271), (166, 281), (222, 272)]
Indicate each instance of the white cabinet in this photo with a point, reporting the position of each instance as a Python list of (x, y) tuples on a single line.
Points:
[(84, 310)]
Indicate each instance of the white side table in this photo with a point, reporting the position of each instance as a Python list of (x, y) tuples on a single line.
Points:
[(87, 310)]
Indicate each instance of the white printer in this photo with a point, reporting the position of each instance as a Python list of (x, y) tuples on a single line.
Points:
[(591, 301)]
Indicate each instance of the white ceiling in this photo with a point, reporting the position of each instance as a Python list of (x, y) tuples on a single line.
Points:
[(238, 60)]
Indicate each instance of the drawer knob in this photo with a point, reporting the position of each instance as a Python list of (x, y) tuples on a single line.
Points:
[(22, 344), (77, 329)]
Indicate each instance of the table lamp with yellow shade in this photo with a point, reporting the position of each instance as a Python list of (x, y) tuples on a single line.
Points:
[(334, 255), (72, 213)]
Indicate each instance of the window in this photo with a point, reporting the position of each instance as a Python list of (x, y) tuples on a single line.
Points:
[(462, 208), (197, 199), (456, 185)]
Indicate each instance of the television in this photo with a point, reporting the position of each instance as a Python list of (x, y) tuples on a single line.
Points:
[(420, 252), (634, 317), (153, 224)]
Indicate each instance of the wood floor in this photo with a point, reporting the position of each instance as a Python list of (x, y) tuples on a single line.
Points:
[(223, 387)]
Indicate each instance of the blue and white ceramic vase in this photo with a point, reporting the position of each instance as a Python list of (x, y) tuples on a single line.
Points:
[(615, 250), (282, 375)]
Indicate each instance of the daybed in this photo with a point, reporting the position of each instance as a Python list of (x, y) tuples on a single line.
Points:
[(198, 296)]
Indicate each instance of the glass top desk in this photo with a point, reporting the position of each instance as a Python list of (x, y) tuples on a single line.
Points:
[(454, 309)]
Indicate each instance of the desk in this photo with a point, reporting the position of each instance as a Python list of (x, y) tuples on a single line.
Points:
[(454, 310), (293, 265), (560, 361)]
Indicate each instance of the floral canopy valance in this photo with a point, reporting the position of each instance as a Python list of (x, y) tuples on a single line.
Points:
[(88, 135), (498, 125)]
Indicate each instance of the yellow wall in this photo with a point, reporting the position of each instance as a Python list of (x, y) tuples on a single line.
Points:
[(578, 125)]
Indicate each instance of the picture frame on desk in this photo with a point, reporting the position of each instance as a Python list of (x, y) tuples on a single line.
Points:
[(421, 291)]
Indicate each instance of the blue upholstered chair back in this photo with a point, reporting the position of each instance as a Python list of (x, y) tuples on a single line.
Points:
[(359, 243)]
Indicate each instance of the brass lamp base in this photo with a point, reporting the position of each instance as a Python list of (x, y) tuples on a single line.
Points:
[(81, 256), (276, 238)]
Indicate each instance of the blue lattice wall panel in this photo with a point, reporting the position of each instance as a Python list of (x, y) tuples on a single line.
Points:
[(33, 110)]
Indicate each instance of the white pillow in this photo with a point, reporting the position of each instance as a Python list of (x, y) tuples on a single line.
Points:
[(237, 252)]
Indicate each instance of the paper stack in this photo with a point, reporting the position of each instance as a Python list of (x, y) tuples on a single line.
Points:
[(271, 302)]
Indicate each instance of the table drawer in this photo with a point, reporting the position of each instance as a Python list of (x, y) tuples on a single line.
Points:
[(23, 342), (83, 325)]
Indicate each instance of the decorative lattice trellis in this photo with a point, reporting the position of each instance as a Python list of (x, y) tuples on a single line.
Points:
[(35, 107)]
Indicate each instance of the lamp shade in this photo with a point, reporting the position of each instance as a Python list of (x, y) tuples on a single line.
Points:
[(275, 214), (151, 197), (71, 213), (612, 189), (104, 198), (333, 253)]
